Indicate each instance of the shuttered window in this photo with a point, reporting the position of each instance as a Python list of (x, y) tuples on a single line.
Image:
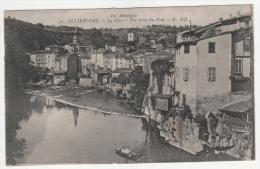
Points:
[(239, 65), (211, 74), (186, 48), (246, 45), (185, 74), (177, 72), (211, 47)]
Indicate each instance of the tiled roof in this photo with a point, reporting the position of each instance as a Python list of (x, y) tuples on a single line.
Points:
[(240, 106)]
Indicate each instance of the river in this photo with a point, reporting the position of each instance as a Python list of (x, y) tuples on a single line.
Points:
[(42, 131)]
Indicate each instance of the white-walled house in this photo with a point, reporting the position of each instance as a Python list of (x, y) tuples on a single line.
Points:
[(50, 60), (85, 65), (206, 61), (113, 61), (61, 63), (131, 37), (201, 74), (44, 59), (97, 58)]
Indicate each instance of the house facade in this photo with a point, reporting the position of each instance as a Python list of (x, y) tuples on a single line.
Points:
[(43, 59), (73, 67), (60, 63), (131, 37), (97, 58), (205, 64), (242, 60), (113, 61)]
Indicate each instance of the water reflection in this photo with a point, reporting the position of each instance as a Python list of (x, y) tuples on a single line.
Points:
[(75, 115), (17, 109), (41, 131), (49, 102)]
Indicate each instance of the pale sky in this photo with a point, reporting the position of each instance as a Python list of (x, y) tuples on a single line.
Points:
[(200, 15)]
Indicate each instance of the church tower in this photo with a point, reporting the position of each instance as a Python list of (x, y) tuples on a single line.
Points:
[(75, 37)]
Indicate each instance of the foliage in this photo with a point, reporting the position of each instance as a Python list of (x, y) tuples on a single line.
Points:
[(16, 147), (141, 81), (36, 37), (16, 63)]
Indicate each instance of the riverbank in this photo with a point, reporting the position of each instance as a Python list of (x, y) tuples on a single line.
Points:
[(86, 98)]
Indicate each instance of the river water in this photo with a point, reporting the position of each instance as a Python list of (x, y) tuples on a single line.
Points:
[(42, 131)]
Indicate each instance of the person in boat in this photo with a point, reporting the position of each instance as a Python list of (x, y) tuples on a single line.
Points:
[(126, 151)]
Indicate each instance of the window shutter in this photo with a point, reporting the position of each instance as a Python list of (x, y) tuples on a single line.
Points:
[(208, 75)]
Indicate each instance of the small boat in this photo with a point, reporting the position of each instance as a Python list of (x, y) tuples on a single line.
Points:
[(224, 148), (126, 153)]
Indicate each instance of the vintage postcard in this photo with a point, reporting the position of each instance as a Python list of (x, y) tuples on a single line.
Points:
[(129, 85)]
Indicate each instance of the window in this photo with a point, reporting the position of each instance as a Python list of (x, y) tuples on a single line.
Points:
[(211, 47), (186, 48), (177, 51), (246, 45), (212, 74), (177, 72), (185, 74), (238, 66), (169, 81), (183, 99), (247, 24)]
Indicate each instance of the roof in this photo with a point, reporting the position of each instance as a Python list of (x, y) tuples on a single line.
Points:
[(159, 55), (201, 30), (66, 55), (59, 73), (42, 52), (123, 70), (118, 55), (84, 56), (98, 51), (241, 106)]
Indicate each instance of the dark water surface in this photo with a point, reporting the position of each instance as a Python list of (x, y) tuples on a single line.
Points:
[(42, 131)]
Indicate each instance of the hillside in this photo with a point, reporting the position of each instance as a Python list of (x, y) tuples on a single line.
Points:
[(36, 36)]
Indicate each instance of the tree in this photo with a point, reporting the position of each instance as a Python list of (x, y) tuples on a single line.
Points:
[(141, 81)]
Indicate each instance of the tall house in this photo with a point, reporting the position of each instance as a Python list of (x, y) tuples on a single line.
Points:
[(61, 63), (97, 58), (44, 59), (213, 61), (114, 61)]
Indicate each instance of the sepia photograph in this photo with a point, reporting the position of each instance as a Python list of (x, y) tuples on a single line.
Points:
[(129, 85)]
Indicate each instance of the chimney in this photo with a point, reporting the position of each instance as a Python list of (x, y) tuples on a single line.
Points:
[(220, 19)]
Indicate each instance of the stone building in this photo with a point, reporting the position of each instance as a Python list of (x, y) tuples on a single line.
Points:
[(113, 61), (73, 67), (210, 60), (43, 59)]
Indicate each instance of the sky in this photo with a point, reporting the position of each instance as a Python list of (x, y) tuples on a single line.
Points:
[(130, 17)]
